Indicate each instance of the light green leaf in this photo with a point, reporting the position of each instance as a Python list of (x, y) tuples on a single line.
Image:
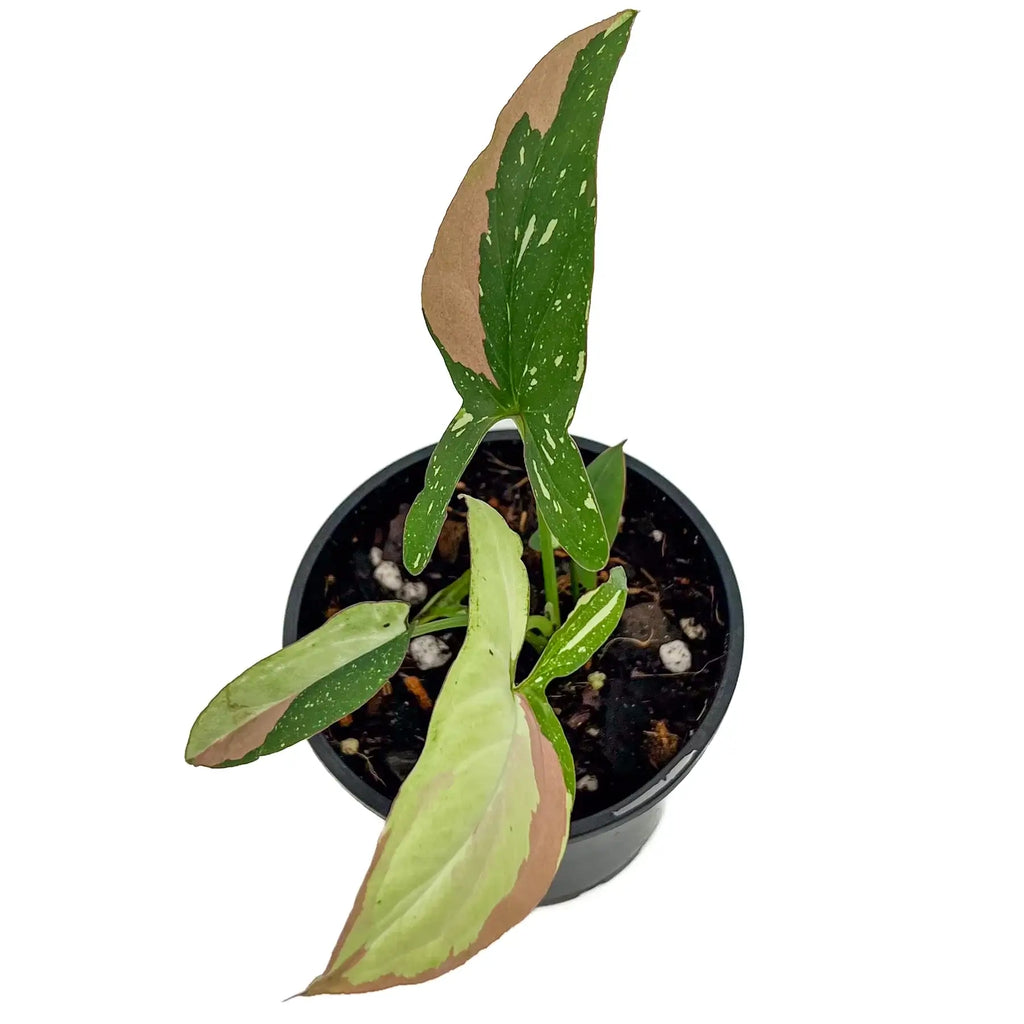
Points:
[(506, 291), (447, 463), (477, 831), (300, 690)]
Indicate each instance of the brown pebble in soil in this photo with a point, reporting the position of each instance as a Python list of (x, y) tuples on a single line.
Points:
[(449, 543), (415, 687), (660, 744), (396, 529)]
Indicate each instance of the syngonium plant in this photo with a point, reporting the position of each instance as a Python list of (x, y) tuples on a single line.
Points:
[(506, 298)]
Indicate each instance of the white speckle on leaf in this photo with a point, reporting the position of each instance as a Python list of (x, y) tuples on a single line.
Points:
[(413, 592), (693, 629), (548, 231), (676, 656), (583, 186), (462, 422), (558, 359), (376, 557), (389, 576), (522, 155), (428, 652), (350, 746), (587, 784), (562, 175), (589, 502), (657, 536), (527, 235), (579, 366)]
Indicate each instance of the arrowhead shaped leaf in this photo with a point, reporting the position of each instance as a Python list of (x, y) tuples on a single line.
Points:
[(506, 291), (300, 690), (477, 831)]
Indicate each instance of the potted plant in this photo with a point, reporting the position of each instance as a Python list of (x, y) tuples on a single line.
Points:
[(512, 652)]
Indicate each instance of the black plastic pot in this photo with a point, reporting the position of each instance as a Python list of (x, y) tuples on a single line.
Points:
[(602, 844)]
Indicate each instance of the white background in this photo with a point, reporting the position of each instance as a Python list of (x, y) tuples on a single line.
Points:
[(807, 313)]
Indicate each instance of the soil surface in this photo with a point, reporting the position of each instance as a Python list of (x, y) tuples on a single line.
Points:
[(624, 714)]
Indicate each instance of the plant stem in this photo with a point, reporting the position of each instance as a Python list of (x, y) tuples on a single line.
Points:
[(547, 561), (439, 625)]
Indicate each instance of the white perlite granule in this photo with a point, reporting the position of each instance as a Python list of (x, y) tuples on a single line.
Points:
[(675, 656), (428, 652), (414, 592), (692, 629), (389, 576)]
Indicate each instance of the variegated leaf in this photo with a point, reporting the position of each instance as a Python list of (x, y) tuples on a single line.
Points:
[(301, 689), (477, 831), (607, 473), (430, 507), (588, 626), (565, 498), (506, 291)]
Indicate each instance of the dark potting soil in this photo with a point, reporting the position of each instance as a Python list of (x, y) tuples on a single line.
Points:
[(621, 730)]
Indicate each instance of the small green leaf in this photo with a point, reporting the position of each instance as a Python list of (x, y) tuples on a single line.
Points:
[(607, 474), (447, 463), (300, 690), (477, 831), (446, 602), (588, 626), (564, 495)]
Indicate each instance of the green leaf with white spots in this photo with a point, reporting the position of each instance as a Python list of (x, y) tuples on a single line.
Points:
[(447, 463), (607, 473), (300, 690), (477, 831), (588, 626), (506, 291), (563, 493)]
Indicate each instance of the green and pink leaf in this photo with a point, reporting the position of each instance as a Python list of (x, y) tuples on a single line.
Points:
[(477, 831), (300, 690)]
